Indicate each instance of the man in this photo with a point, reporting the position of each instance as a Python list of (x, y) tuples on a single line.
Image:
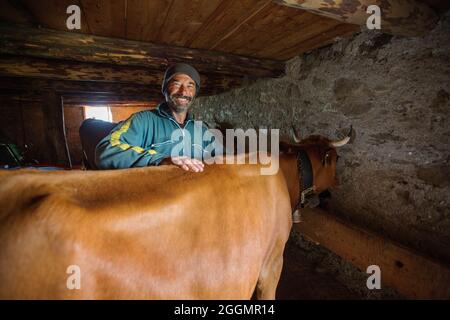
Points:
[(147, 137)]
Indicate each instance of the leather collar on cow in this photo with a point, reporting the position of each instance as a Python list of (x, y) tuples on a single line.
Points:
[(306, 179)]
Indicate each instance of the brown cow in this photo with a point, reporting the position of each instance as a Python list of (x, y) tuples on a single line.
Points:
[(154, 232)]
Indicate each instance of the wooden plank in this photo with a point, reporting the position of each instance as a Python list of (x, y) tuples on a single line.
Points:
[(34, 132), (271, 25), (274, 32), (14, 11), (53, 14), (73, 118), (10, 122), (91, 99), (184, 19), (145, 18), (78, 98), (105, 17), (227, 18), (101, 88), (71, 70), (17, 95), (54, 129), (85, 48), (439, 5), (307, 31), (399, 17), (77, 71), (410, 273), (329, 36), (247, 34), (238, 24)]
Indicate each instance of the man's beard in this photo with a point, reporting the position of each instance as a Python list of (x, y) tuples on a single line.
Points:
[(179, 108)]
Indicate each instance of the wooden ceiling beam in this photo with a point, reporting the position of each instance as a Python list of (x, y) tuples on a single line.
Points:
[(51, 44), (398, 17), (75, 71), (78, 87), (90, 99), (11, 66)]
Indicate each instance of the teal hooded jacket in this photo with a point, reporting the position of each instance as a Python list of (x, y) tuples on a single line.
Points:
[(148, 137)]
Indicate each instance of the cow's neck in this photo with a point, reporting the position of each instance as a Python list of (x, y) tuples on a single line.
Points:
[(288, 165)]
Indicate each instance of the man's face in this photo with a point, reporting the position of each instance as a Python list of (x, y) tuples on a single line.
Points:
[(180, 92)]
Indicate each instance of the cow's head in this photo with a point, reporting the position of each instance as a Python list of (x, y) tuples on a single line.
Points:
[(317, 158)]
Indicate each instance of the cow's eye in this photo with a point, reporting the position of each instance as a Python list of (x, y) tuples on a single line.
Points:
[(325, 159)]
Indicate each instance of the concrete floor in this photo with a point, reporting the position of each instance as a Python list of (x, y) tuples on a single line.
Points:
[(300, 279)]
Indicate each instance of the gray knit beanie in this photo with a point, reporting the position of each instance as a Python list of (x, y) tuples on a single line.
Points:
[(184, 69)]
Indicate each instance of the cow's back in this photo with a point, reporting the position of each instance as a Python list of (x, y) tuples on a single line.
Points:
[(154, 232)]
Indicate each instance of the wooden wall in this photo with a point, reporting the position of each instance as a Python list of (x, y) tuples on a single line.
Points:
[(23, 123), (26, 121)]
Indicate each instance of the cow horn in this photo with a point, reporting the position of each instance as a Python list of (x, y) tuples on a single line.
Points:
[(294, 135), (342, 142)]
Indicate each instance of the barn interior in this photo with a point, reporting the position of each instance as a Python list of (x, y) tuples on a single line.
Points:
[(309, 65)]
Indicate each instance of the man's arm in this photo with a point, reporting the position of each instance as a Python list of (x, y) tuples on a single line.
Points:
[(124, 146)]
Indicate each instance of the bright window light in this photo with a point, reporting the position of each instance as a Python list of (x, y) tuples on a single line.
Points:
[(99, 113)]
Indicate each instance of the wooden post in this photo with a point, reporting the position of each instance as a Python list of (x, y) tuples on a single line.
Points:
[(410, 273), (55, 132)]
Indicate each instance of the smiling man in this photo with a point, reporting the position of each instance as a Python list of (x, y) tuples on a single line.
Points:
[(147, 137)]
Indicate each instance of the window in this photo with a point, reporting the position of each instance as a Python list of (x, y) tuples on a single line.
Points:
[(99, 113)]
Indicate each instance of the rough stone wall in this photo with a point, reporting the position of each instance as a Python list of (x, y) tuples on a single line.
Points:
[(395, 175)]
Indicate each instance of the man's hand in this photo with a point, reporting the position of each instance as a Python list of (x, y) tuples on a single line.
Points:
[(185, 163)]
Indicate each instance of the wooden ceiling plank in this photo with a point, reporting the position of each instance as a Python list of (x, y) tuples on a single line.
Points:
[(237, 25), (248, 33), (52, 14), (210, 21), (325, 38), (145, 18), (105, 17), (14, 11), (293, 40), (162, 28), (226, 17), (439, 5), (275, 35), (266, 28), (184, 19)]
